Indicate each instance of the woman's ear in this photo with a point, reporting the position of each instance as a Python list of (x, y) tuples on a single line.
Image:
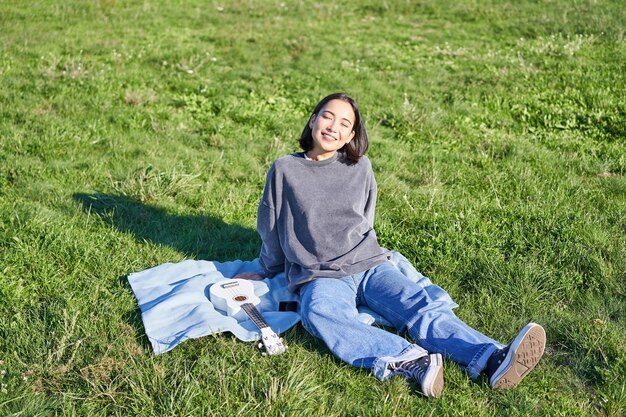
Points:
[(311, 120)]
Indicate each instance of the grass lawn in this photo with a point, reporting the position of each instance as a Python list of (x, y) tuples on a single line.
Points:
[(134, 133)]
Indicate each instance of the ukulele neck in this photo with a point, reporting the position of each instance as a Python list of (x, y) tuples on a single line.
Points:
[(254, 315)]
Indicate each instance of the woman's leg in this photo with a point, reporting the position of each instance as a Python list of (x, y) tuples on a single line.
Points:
[(329, 312), (432, 324)]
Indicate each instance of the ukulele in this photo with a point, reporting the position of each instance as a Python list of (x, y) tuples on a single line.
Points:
[(236, 298)]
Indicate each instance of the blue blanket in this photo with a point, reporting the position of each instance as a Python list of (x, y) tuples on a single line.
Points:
[(175, 306)]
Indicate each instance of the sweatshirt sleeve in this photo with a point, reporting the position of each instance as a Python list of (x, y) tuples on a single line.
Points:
[(370, 202), (271, 258)]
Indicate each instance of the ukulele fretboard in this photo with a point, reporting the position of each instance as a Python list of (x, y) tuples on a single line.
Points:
[(254, 315)]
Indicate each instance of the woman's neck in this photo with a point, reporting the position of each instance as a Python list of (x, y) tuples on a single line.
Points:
[(316, 156)]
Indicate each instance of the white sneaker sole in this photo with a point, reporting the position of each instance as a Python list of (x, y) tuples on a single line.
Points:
[(432, 386), (523, 355)]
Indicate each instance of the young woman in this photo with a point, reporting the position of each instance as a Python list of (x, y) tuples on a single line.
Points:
[(316, 222)]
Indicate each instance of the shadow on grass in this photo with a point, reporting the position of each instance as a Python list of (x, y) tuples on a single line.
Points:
[(200, 237)]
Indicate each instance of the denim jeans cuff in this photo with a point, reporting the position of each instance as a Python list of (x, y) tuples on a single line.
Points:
[(479, 362), (380, 365)]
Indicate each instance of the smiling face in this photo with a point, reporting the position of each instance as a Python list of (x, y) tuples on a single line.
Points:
[(331, 128)]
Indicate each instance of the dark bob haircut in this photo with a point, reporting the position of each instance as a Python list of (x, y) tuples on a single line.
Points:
[(352, 150)]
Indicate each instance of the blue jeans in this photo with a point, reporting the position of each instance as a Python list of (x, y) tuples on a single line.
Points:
[(329, 312)]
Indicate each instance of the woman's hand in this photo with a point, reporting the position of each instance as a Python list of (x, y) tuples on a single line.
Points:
[(249, 275)]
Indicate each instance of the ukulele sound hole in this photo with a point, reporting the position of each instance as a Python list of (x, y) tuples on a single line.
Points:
[(240, 298)]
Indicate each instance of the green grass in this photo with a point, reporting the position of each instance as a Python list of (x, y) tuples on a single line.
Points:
[(139, 132)]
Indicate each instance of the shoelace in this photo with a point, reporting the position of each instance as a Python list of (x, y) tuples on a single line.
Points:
[(413, 369)]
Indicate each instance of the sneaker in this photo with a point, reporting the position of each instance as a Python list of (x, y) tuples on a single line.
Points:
[(506, 367), (427, 371)]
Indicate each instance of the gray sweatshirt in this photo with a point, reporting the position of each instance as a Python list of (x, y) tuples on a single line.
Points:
[(316, 219)]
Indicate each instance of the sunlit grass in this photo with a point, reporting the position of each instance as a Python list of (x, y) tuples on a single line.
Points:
[(137, 133)]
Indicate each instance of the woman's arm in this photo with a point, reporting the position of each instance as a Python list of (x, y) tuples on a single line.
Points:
[(249, 275), (370, 201), (272, 257)]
